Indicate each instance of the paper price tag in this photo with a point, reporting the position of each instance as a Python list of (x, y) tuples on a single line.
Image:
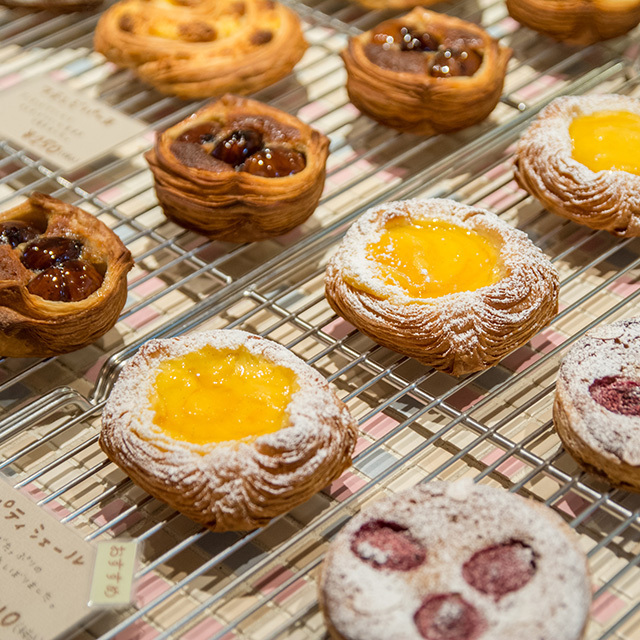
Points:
[(60, 125), (113, 573)]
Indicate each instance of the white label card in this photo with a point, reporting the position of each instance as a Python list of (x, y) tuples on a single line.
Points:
[(60, 125)]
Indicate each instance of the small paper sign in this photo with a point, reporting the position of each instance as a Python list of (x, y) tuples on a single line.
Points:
[(45, 571), (61, 125), (113, 573)]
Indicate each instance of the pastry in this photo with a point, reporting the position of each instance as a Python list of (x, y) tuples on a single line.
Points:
[(581, 159), (63, 278), (425, 72), (229, 428), (450, 285), (239, 170), (58, 6), (202, 48), (455, 561), (597, 404), (394, 4), (577, 21)]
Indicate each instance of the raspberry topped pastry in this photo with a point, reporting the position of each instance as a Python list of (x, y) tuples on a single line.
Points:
[(597, 403), (425, 72), (202, 48), (455, 562)]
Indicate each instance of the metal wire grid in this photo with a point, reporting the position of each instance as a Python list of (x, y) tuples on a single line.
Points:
[(375, 382)]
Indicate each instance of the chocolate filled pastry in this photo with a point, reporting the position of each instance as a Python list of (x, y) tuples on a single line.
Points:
[(450, 285), (597, 404), (581, 159), (455, 561), (63, 278), (202, 48), (57, 6), (425, 72), (578, 22), (227, 427), (239, 170)]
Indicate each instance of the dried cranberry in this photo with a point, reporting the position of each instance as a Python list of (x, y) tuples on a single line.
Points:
[(15, 232), (69, 282), (238, 146), (47, 252), (448, 616), (501, 568), (387, 545), (448, 63), (617, 394), (274, 163)]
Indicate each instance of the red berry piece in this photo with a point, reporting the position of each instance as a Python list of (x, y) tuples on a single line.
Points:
[(69, 282), (47, 252), (501, 568), (15, 232), (448, 63), (448, 616), (617, 394), (204, 133), (238, 146), (274, 163), (387, 545)]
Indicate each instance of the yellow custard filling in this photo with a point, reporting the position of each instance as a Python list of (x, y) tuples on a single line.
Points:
[(433, 258), (607, 140), (216, 395)]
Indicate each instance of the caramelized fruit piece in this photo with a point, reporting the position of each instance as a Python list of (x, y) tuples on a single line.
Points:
[(238, 146), (47, 252), (69, 282), (448, 616), (15, 232), (387, 545), (197, 32), (617, 394), (274, 163), (407, 38), (501, 568), (448, 63), (200, 134)]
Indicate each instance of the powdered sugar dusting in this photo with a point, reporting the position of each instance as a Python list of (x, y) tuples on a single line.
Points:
[(224, 484), (553, 605), (546, 168)]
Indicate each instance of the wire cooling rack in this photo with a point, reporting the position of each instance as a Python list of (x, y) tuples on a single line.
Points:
[(415, 424)]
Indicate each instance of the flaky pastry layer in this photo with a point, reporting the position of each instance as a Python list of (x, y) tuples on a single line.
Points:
[(545, 167), (418, 102), (237, 485), (235, 205), (459, 332), (202, 48), (32, 326)]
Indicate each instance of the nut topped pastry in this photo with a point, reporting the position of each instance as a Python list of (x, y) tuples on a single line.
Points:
[(450, 285), (425, 72), (202, 48), (62, 278), (577, 21), (239, 170), (455, 561), (580, 158), (227, 427)]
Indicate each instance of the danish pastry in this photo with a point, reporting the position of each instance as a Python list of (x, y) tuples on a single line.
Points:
[(425, 72), (62, 278), (455, 562), (450, 285), (581, 159), (239, 170), (597, 404), (202, 48), (579, 22), (229, 428)]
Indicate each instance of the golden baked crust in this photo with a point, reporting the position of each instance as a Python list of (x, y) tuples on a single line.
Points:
[(213, 198), (577, 21), (545, 167), (414, 100), (33, 326), (58, 6), (459, 332), (236, 485), (597, 403), (202, 48)]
